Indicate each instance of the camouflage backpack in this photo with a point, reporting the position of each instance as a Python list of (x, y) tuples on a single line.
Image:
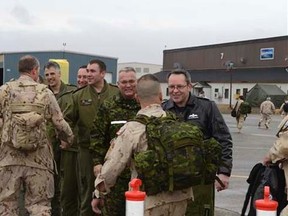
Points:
[(25, 116), (177, 156), (245, 108)]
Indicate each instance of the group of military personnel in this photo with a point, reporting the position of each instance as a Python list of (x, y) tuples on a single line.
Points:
[(98, 114)]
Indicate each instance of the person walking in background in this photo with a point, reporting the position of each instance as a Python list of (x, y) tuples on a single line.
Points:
[(240, 118), (24, 108), (131, 140), (267, 108), (81, 113), (205, 114), (69, 170), (113, 114)]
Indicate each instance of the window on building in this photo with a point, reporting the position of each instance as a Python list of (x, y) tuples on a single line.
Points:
[(238, 92), (138, 70), (245, 90), (216, 93), (226, 93), (146, 70)]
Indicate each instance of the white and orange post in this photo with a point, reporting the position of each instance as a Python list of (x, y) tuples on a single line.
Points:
[(135, 199), (266, 206)]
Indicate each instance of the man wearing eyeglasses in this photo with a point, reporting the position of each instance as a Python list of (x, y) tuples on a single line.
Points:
[(81, 113), (113, 114), (206, 115)]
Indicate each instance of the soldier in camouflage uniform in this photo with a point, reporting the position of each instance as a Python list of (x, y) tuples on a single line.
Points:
[(81, 113), (131, 140), (112, 115), (52, 74), (33, 169), (70, 184)]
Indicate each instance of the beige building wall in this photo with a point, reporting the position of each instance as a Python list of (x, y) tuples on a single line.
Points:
[(141, 68)]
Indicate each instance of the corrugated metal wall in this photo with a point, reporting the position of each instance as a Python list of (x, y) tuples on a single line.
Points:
[(245, 54)]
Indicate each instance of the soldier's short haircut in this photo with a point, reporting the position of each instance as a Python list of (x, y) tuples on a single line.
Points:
[(101, 64), (27, 63), (83, 67), (126, 69), (51, 64), (183, 72), (148, 86)]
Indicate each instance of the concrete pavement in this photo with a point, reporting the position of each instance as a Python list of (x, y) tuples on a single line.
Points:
[(225, 212)]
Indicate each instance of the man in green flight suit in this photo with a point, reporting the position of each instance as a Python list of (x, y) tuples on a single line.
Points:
[(69, 172), (52, 73), (113, 114), (81, 113)]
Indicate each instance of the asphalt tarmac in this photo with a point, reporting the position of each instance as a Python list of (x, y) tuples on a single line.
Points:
[(249, 148)]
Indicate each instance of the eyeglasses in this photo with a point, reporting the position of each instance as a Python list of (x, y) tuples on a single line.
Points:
[(125, 82), (178, 87)]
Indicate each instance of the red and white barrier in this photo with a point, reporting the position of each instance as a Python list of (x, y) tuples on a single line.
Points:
[(135, 199), (266, 206)]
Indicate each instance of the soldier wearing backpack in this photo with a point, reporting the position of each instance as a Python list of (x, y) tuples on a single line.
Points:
[(205, 114), (131, 141), (26, 156)]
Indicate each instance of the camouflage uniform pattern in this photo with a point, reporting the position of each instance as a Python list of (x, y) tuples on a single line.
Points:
[(81, 113), (40, 159), (132, 139), (104, 130)]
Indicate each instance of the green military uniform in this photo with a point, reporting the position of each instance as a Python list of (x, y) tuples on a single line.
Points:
[(55, 203), (70, 185), (86, 102), (112, 115)]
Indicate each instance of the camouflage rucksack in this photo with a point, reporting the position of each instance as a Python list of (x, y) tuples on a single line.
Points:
[(25, 116), (245, 108), (177, 156)]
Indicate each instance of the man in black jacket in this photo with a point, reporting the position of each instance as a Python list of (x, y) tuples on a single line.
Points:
[(205, 114)]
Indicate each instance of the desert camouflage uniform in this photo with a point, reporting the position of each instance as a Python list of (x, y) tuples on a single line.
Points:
[(81, 113), (56, 205), (113, 113), (267, 108), (33, 169), (132, 139), (279, 152)]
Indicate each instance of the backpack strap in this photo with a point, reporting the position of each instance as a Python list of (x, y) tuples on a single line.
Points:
[(253, 180), (24, 107)]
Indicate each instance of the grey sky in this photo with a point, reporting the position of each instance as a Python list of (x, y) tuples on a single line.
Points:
[(136, 30)]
